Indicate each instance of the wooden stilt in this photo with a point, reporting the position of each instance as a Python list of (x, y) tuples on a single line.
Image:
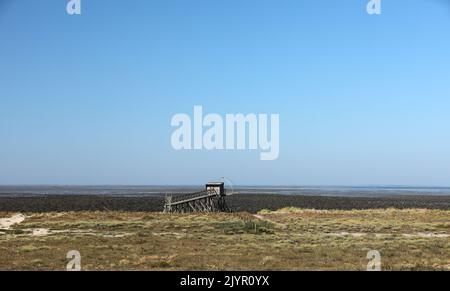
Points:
[(210, 200)]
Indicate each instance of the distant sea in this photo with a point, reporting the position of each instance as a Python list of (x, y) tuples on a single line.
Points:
[(337, 191)]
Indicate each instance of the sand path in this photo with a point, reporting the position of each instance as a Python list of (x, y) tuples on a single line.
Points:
[(6, 223)]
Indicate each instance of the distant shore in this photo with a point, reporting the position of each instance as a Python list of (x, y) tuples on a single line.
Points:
[(243, 202)]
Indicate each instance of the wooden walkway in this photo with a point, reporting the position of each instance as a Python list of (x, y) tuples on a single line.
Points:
[(203, 201)]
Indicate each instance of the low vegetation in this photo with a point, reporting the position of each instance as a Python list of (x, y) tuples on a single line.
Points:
[(287, 239)]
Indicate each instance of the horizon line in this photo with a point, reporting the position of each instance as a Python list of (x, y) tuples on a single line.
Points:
[(235, 185)]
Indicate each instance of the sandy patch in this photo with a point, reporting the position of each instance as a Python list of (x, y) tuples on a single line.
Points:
[(40, 232), (46, 232), (344, 233), (383, 235), (6, 223), (427, 235), (176, 234)]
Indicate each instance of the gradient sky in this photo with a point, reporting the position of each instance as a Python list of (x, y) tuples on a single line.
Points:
[(363, 100)]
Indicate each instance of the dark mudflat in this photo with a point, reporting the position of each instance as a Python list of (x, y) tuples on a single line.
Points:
[(244, 202)]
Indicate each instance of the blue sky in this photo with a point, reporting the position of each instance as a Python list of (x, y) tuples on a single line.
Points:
[(88, 99)]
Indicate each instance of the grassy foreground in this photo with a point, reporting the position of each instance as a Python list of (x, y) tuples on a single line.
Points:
[(288, 239)]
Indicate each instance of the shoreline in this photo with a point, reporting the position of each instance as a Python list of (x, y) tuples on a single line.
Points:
[(239, 203)]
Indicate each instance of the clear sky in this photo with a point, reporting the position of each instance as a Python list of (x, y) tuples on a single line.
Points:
[(363, 100)]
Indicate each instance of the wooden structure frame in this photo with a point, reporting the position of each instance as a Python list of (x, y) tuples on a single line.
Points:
[(212, 199)]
